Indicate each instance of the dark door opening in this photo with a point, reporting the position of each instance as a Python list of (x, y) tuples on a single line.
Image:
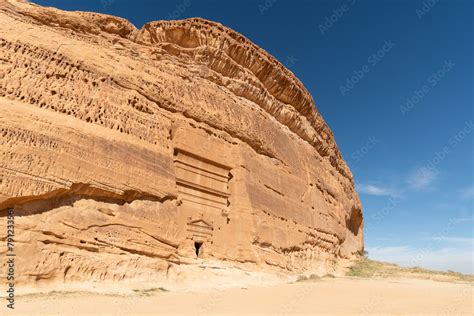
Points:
[(197, 246)]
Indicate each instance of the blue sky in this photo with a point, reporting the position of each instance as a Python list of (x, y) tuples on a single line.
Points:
[(393, 79)]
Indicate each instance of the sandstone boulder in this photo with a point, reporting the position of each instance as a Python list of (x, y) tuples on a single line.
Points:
[(127, 152)]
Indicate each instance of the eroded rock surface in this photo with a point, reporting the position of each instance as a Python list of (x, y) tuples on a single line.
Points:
[(127, 153)]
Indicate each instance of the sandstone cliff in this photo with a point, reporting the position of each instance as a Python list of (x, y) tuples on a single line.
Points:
[(127, 153)]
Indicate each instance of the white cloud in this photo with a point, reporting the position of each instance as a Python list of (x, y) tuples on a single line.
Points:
[(468, 240), (422, 178), (444, 259), (371, 189)]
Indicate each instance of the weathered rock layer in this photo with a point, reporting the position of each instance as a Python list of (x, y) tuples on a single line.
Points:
[(128, 152)]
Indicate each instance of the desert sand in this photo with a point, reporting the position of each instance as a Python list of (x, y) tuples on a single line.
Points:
[(349, 296)]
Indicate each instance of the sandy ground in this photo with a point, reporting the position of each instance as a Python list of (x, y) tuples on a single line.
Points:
[(324, 296)]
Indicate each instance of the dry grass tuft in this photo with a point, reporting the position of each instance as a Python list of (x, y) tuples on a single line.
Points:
[(366, 268)]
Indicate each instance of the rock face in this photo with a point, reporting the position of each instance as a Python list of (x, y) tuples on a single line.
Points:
[(127, 153)]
